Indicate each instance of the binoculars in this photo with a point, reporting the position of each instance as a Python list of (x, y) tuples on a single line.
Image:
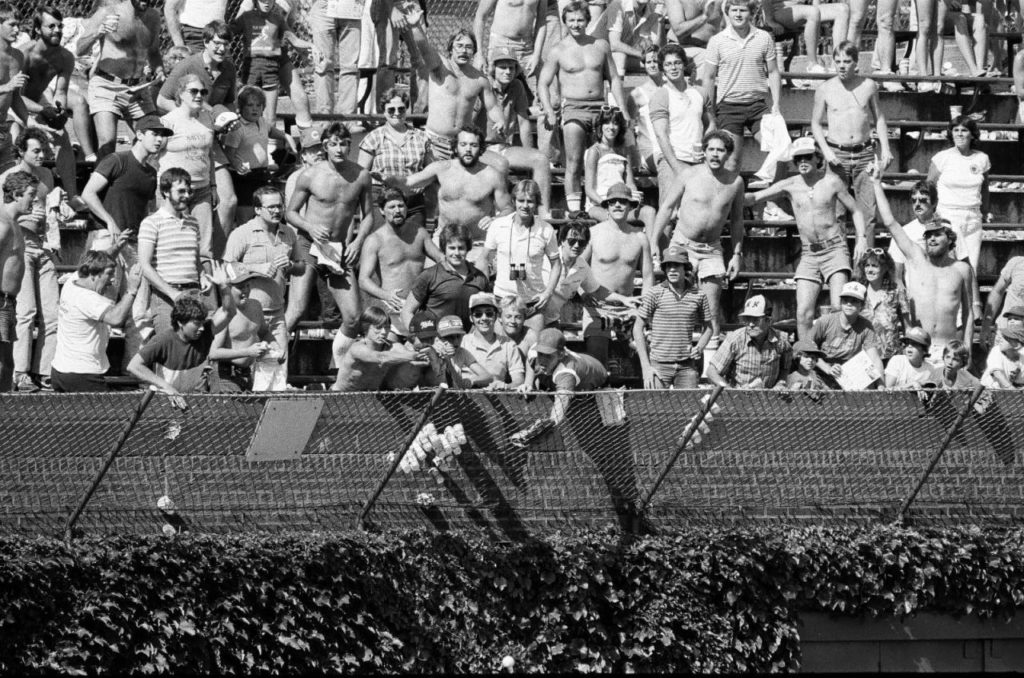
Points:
[(517, 273)]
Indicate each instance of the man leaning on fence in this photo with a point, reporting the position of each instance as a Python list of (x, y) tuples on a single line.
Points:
[(754, 356)]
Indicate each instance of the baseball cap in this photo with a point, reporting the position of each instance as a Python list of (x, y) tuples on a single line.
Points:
[(226, 118), (550, 340), (423, 325), (936, 224), (239, 273), (919, 336), (151, 123), (803, 146), (619, 191), (501, 54), (482, 299), (1015, 311), (310, 137), (1015, 333), (807, 347), (449, 326), (854, 290), (675, 254), (756, 307)]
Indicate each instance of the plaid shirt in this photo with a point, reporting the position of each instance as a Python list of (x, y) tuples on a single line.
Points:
[(739, 360), (391, 158)]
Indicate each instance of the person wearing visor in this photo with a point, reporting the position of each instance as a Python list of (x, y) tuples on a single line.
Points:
[(825, 255)]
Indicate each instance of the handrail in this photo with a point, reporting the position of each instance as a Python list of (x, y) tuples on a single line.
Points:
[(960, 80)]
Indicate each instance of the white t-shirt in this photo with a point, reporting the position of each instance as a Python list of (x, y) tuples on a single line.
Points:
[(908, 376), (81, 335), (684, 112), (515, 244), (574, 278), (960, 178), (198, 13), (997, 360)]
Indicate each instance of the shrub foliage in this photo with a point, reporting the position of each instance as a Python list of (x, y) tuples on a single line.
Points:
[(701, 600)]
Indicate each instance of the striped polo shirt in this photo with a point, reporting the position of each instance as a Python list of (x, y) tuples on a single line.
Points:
[(742, 64), (671, 317), (175, 245)]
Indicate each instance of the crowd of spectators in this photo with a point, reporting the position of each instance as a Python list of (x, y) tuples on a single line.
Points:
[(437, 265)]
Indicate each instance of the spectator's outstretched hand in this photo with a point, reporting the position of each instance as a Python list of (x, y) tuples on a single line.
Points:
[(218, 275)]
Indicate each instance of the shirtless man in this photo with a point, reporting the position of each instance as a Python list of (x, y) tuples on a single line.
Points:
[(46, 60), (394, 256), (470, 191), (365, 365), (128, 32), (616, 251), (848, 102), (455, 86), (246, 339), (518, 26), (694, 22), (825, 256), (582, 64), (332, 192), (19, 189), (12, 80), (707, 195), (939, 287)]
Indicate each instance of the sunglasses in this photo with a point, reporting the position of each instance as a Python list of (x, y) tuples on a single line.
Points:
[(923, 201), (619, 201), (273, 208), (200, 91), (484, 314), (394, 110), (877, 251), (573, 242), (610, 109)]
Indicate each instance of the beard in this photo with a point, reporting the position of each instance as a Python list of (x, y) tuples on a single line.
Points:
[(468, 163)]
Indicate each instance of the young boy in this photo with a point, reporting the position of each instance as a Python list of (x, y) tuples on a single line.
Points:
[(910, 370), (671, 311), (952, 374), (246, 339), (366, 363), (247, 146), (264, 28), (804, 377), (1004, 368), (177, 360)]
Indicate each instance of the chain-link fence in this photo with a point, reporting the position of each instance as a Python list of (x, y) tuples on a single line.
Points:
[(318, 461)]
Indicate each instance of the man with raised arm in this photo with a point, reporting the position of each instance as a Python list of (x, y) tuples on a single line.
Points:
[(470, 192), (518, 26), (129, 37), (393, 256), (455, 86), (707, 195), (582, 65), (332, 193), (849, 103), (825, 256), (939, 287), (12, 81)]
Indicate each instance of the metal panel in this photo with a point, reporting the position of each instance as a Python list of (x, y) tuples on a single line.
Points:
[(284, 429)]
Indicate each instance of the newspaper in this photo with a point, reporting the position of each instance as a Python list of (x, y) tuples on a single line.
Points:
[(859, 372)]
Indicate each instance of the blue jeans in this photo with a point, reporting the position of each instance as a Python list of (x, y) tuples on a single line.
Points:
[(37, 305)]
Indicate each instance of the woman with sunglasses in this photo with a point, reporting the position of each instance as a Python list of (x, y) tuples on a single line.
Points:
[(606, 163), (396, 149), (193, 147), (498, 354), (886, 305)]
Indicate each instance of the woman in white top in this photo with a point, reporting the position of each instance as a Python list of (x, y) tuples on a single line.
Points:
[(606, 164), (961, 175)]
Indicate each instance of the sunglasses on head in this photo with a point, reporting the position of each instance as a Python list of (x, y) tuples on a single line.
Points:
[(610, 109), (484, 314), (877, 251)]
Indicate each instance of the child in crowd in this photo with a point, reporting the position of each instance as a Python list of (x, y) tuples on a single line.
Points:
[(909, 369), (246, 339), (512, 317), (247, 146), (1004, 368), (952, 374), (606, 163), (265, 28), (369, 359), (804, 377)]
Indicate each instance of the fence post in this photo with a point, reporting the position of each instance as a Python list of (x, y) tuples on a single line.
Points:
[(115, 449), (691, 428), (939, 452), (368, 506)]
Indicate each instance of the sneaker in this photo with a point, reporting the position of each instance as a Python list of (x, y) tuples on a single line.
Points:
[(45, 385), (24, 384)]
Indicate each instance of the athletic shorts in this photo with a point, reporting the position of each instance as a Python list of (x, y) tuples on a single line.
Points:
[(734, 117), (264, 72), (8, 319), (439, 147), (583, 113), (707, 259), (820, 264), (106, 96)]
